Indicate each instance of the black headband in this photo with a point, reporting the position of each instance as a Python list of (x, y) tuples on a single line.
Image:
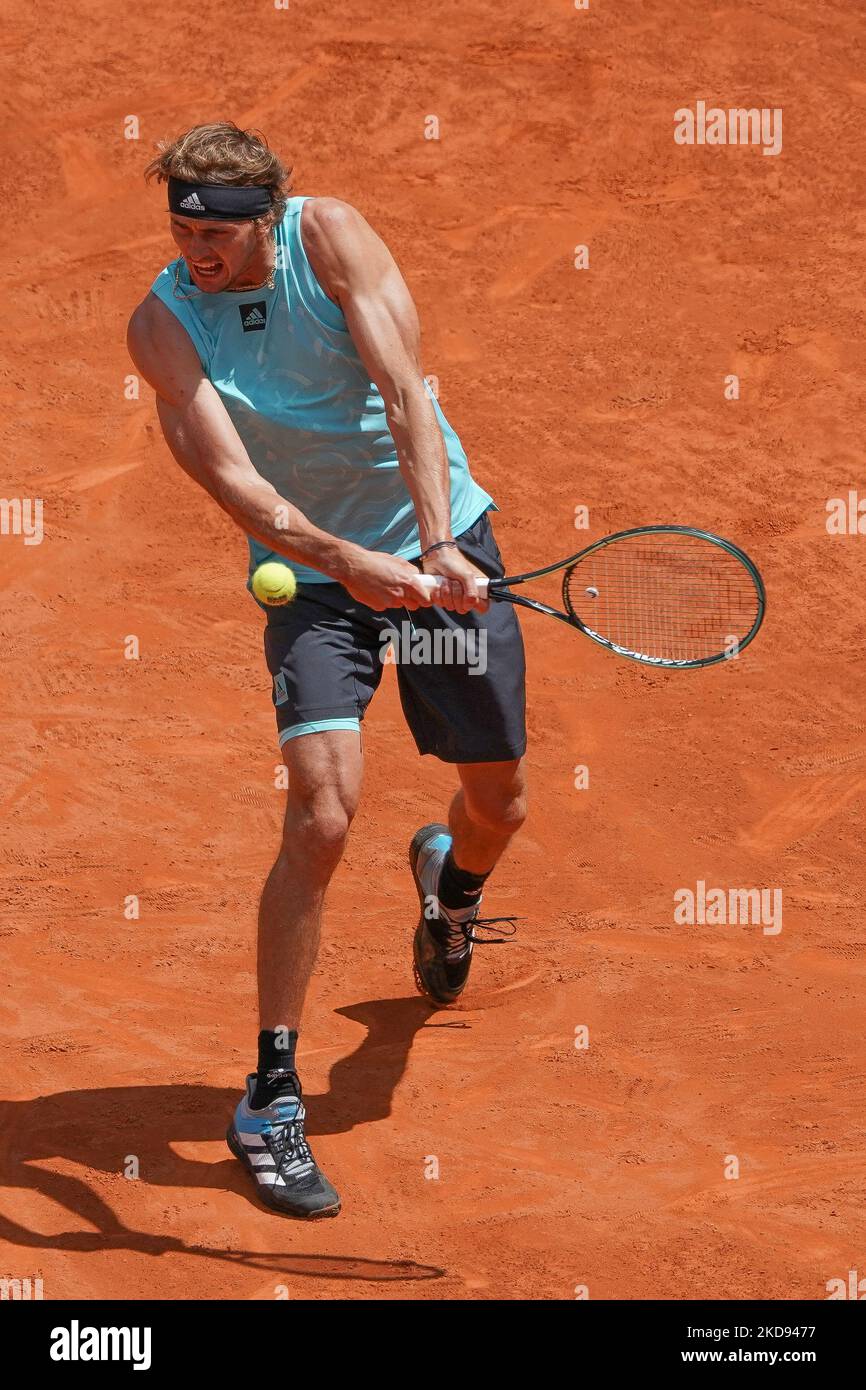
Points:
[(218, 202)]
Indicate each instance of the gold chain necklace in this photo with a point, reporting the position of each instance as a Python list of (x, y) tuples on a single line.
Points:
[(268, 284)]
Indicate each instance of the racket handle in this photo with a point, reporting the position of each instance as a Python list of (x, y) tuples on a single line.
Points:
[(431, 582)]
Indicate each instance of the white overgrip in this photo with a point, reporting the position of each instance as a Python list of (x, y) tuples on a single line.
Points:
[(430, 582)]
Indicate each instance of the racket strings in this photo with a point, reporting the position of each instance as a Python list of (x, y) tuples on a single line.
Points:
[(666, 597)]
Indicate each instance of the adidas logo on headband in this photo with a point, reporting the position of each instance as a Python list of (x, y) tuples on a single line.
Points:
[(220, 202)]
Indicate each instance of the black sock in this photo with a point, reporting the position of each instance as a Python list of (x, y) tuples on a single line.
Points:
[(457, 887), (276, 1069)]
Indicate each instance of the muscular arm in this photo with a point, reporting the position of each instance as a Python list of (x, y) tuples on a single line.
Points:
[(358, 272), (204, 441)]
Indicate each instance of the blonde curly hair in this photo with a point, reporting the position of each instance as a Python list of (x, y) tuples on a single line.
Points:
[(222, 153)]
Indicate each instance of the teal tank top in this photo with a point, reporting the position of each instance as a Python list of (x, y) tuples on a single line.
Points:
[(310, 418)]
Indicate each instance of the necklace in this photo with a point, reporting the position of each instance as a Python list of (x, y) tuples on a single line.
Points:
[(265, 285)]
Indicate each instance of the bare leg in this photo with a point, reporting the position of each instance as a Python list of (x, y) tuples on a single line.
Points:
[(324, 786), (488, 809)]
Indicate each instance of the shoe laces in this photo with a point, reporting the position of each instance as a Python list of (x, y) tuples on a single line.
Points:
[(287, 1136), (289, 1142), (487, 924), (460, 935)]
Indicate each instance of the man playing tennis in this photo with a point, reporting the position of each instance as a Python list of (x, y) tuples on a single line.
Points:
[(283, 347)]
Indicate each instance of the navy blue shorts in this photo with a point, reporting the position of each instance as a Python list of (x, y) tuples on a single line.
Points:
[(460, 675)]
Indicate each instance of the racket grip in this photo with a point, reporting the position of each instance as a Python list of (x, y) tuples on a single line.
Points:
[(431, 582)]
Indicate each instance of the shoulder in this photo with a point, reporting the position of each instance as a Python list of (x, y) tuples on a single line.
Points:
[(151, 325), (157, 341), (341, 244), (329, 217), (332, 229), (336, 239), (150, 319)]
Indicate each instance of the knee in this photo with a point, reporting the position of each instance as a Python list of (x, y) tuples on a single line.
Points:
[(498, 809), (316, 830)]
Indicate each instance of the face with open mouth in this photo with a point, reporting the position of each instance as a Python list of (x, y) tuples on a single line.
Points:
[(221, 255), (206, 271)]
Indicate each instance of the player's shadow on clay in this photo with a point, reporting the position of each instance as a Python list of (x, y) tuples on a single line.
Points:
[(101, 1129)]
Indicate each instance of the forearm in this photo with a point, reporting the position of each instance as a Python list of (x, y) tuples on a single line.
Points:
[(423, 461), (379, 581), (221, 466), (256, 506)]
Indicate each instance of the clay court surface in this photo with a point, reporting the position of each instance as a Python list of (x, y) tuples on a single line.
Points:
[(601, 387)]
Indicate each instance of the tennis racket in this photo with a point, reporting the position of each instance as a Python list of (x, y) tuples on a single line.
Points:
[(663, 595)]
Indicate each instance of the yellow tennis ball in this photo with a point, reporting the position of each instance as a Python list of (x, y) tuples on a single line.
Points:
[(274, 583)]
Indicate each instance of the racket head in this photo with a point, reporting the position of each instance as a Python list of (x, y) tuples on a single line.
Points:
[(668, 596)]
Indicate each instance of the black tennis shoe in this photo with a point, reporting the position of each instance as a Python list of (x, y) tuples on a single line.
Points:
[(445, 936), (272, 1146)]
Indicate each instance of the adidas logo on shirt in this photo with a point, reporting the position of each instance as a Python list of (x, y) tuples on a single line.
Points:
[(194, 203), (253, 316)]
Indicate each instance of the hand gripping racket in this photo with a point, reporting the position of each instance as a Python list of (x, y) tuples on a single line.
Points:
[(663, 595)]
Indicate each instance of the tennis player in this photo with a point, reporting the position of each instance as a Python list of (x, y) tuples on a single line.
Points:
[(283, 346)]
